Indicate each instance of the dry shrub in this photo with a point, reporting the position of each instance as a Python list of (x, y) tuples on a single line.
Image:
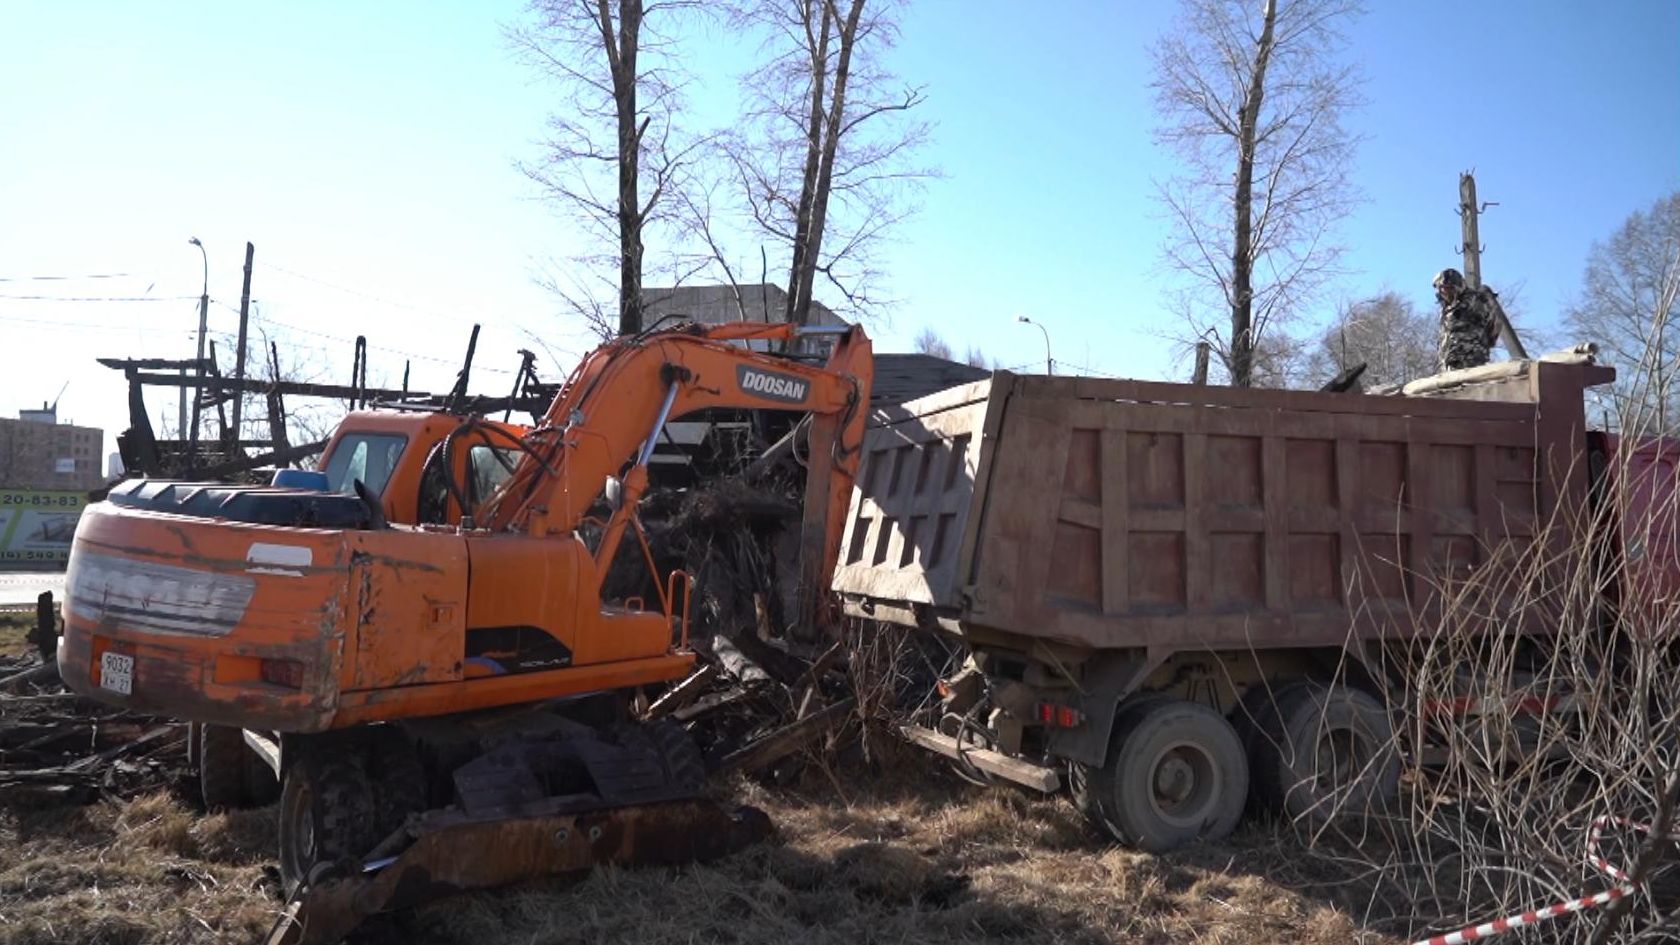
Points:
[(1564, 651), (892, 672)]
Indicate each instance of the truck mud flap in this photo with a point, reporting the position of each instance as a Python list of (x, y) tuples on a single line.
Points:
[(481, 855)]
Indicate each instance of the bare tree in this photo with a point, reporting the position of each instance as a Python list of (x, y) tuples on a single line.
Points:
[(1386, 333), (1627, 302), (1279, 361), (824, 157), (976, 357), (614, 152), (1250, 95), (929, 342)]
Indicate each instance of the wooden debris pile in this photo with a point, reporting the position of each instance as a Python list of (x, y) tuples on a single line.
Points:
[(757, 698), (56, 747)]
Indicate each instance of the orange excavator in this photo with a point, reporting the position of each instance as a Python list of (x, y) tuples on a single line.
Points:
[(417, 643)]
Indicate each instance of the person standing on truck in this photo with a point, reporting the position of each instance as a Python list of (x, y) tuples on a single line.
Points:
[(1470, 320)]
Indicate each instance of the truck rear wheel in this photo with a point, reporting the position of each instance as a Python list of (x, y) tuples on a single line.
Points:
[(327, 814), (1323, 751), (1175, 774)]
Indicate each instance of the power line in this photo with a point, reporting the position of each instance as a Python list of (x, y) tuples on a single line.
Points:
[(60, 323), (101, 298), (358, 294), (91, 275), (371, 346)]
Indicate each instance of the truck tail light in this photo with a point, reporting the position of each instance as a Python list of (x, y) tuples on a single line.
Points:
[(288, 673), (1054, 715)]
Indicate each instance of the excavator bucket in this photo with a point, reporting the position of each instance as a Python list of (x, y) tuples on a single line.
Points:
[(481, 855)]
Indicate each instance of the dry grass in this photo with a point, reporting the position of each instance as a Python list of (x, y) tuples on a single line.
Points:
[(14, 630), (149, 870), (927, 860)]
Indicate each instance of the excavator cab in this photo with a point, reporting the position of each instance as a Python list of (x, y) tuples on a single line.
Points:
[(397, 457)]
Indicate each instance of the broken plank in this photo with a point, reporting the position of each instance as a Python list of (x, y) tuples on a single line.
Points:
[(155, 735), (46, 776), (682, 693), (30, 734), (736, 663), (1038, 777), (712, 703), (785, 740), (36, 674), (822, 665)]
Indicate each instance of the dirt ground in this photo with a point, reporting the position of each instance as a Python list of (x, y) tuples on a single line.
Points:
[(916, 857)]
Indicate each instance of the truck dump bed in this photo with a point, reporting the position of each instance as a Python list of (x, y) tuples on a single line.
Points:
[(1106, 514)]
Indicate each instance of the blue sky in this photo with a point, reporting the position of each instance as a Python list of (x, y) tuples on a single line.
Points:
[(368, 151)]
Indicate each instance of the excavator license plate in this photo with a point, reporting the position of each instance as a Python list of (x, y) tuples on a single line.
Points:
[(116, 672)]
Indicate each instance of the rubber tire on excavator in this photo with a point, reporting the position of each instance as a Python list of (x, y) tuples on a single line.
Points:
[(223, 773), (399, 781), (327, 813), (685, 767)]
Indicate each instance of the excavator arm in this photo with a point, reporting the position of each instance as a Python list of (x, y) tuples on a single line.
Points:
[(611, 412)]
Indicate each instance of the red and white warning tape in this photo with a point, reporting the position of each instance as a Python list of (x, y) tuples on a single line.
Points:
[(1471, 933)]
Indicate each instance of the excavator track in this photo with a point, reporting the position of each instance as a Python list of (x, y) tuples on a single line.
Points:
[(554, 797), (481, 855)]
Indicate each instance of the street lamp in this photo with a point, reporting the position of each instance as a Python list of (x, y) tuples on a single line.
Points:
[(1049, 364), (203, 325)]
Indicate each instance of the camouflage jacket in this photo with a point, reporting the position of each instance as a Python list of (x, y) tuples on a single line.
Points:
[(1469, 328)]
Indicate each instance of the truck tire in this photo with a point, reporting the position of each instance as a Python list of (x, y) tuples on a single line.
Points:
[(327, 815), (1083, 796), (1325, 751), (1175, 774), (1082, 778), (223, 768), (1255, 719)]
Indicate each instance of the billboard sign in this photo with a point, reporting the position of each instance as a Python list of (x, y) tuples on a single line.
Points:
[(36, 525)]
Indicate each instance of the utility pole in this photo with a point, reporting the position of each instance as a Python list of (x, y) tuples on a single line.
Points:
[(239, 354), (203, 326), (1468, 211), (181, 414)]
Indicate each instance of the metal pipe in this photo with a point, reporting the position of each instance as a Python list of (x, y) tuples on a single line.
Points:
[(658, 425)]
